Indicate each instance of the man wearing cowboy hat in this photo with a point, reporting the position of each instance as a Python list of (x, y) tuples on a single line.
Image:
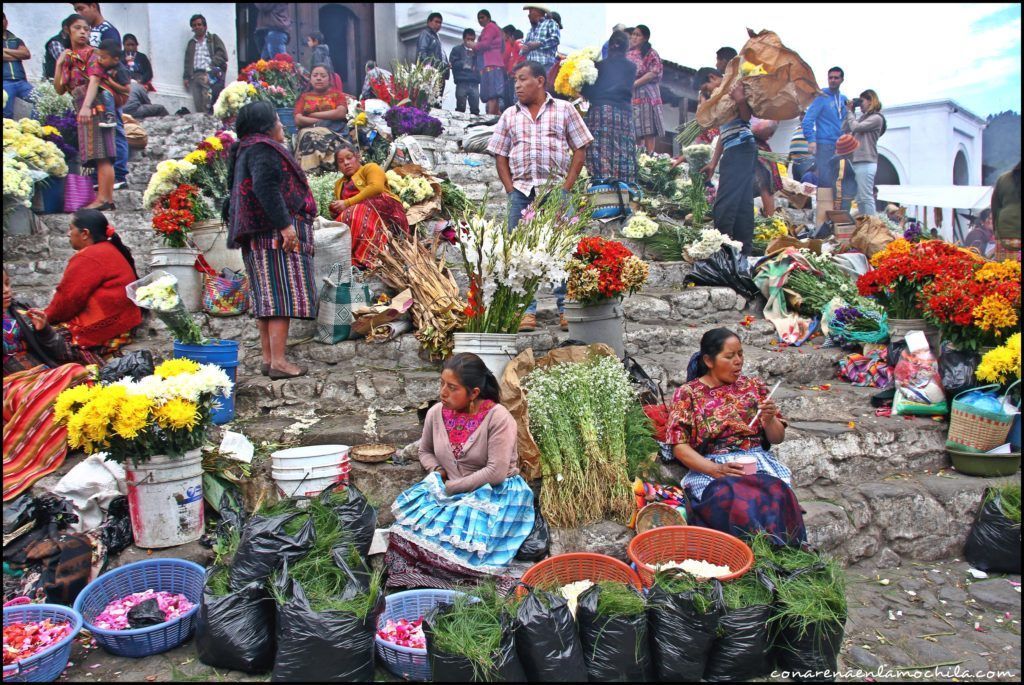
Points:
[(541, 44)]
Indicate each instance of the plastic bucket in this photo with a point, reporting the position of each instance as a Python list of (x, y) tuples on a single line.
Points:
[(211, 237), (223, 353), (18, 221), (495, 349), (180, 262), (597, 323), (50, 194), (287, 117), (308, 471), (165, 499)]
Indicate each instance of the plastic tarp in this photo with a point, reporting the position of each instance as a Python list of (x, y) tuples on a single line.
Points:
[(957, 197)]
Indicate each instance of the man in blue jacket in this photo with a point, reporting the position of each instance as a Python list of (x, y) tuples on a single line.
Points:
[(822, 124)]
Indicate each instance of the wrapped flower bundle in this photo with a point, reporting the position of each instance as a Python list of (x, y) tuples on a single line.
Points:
[(602, 269), (158, 291), (767, 229), (167, 412), (410, 189), (22, 640), (275, 80), (577, 70), (169, 174), (19, 182), (176, 212), (640, 226), (233, 98), (708, 243), (211, 161)]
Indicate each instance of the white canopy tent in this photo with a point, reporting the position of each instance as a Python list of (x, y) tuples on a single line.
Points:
[(951, 197)]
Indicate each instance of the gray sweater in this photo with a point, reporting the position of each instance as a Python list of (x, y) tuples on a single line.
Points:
[(866, 130)]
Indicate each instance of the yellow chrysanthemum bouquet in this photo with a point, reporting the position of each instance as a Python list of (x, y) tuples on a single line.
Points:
[(577, 70), (1001, 365), (166, 413)]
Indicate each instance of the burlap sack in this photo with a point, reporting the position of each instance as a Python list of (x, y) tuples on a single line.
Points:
[(783, 93), (513, 398)]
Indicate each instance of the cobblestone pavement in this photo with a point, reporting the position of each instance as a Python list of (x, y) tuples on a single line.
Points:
[(933, 618)]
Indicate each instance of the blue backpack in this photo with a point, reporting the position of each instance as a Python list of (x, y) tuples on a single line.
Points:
[(610, 198)]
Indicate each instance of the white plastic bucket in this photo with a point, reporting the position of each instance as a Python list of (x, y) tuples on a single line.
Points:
[(597, 323), (308, 471), (495, 349), (165, 499), (180, 262), (211, 237)]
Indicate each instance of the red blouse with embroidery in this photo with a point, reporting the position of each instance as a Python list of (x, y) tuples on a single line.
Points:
[(461, 426), (714, 420)]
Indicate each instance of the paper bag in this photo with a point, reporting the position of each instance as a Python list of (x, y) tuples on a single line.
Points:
[(783, 93), (870, 236), (368, 318), (513, 398)]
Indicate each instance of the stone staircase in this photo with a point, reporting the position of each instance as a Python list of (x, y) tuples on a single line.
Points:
[(872, 487)]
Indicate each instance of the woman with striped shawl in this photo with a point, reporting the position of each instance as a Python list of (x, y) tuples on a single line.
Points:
[(466, 520)]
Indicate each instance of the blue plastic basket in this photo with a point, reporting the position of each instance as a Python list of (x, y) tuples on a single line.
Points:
[(161, 575), (47, 665), (406, 662)]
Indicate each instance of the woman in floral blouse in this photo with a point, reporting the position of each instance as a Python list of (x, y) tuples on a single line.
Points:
[(717, 418)]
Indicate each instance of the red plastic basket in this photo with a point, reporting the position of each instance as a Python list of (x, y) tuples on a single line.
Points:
[(563, 569), (679, 543)]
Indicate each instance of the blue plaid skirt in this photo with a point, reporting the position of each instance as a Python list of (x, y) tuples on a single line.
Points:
[(482, 529)]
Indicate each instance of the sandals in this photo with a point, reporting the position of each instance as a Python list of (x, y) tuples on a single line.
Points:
[(265, 369), (105, 207), (276, 375)]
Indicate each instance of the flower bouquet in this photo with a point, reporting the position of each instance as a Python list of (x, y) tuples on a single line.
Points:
[(410, 189), (657, 176), (767, 229), (577, 70), (1002, 364), (19, 182), (412, 121), (506, 269), (602, 269), (640, 226), (418, 82), (166, 413), (903, 269), (210, 159), (66, 126), (176, 212), (233, 98), (169, 174), (975, 310), (816, 280), (26, 141), (855, 323), (276, 80), (158, 291), (708, 242)]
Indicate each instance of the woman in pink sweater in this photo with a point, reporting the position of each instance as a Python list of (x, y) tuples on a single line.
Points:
[(468, 517)]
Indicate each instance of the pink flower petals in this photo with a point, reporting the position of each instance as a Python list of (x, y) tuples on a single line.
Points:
[(115, 615), (404, 633), (22, 640)]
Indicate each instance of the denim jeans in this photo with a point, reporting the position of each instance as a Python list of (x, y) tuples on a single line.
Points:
[(801, 166), (274, 43), (121, 148), (517, 204), (828, 168), (20, 89), (470, 92), (865, 172)]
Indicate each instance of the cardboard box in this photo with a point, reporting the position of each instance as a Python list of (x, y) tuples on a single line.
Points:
[(797, 200)]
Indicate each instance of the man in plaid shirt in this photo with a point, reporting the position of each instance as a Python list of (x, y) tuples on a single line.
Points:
[(531, 144), (541, 43)]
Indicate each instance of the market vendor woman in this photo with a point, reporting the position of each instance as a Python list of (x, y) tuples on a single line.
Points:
[(719, 419), (467, 519)]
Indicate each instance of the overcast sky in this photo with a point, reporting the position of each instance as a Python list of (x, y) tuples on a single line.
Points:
[(907, 52)]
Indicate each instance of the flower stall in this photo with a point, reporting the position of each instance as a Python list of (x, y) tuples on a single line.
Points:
[(32, 162), (277, 81), (601, 272)]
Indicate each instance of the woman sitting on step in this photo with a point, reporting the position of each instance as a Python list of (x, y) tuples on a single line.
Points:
[(90, 306), (320, 115), (39, 364), (363, 201), (467, 519), (718, 418)]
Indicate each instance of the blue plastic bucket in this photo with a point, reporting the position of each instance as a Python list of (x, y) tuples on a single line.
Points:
[(223, 353), (51, 191), (287, 117), (1015, 434)]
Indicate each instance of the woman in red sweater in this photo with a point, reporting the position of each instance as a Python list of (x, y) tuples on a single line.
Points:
[(90, 304)]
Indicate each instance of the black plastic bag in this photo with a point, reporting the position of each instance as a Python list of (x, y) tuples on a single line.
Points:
[(265, 545), (146, 614), (811, 656), (329, 646), (357, 516), (116, 531), (236, 631), (455, 668), (956, 369), (547, 641), (742, 648), (19, 512), (535, 546), (649, 390), (727, 268), (895, 352), (993, 545), (615, 648), (681, 636), (135, 365)]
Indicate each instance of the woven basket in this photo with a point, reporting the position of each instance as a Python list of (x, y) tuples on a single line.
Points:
[(563, 569), (976, 430), (371, 454), (679, 543)]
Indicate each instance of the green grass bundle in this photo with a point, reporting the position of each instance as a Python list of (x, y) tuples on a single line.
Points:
[(578, 418), (322, 187), (745, 591), (812, 600), (619, 599), (285, 506), (472, 629), (676, 582), (218, 584), (1008, 496)]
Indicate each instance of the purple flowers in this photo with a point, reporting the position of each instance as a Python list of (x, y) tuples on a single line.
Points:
[(412, 121), (848, 315), (67, 124), (913, 232)]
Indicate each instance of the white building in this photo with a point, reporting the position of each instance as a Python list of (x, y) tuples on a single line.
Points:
[(356, 32)]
